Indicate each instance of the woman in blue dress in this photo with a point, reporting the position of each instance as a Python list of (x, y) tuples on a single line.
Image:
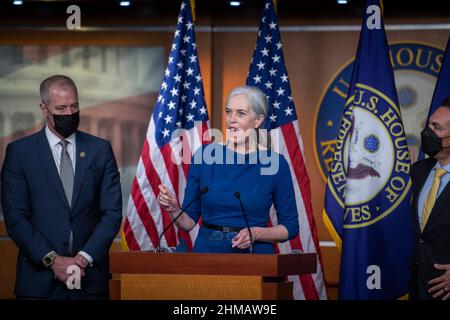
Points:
[(240, 180)]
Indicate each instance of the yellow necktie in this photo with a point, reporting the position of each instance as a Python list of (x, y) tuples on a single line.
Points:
[(431, 198)]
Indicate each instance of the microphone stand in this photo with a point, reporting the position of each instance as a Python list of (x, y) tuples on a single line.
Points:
[(238, 196), (202, 192)]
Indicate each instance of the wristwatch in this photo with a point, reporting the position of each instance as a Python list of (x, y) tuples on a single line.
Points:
[(48, 259)]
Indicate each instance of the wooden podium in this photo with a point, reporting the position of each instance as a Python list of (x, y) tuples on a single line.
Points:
[(139, 275)]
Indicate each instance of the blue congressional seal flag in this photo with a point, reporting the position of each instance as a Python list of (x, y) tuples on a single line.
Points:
[(368, 190), (416, 68)]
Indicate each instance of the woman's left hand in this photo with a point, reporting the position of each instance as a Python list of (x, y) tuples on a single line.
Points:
[(242, 239)]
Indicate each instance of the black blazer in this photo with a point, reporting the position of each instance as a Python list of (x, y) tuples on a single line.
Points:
[(39, 219), (433, 244)]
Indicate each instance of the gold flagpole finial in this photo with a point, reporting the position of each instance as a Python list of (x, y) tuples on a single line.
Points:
[(275, 5), (193, 10)]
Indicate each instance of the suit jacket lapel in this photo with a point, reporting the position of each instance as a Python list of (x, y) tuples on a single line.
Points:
[(438, 208), (49, 166), (80, 166), (420, 181)]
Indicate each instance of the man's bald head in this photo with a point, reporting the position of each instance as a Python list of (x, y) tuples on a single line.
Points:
[(59, 81)]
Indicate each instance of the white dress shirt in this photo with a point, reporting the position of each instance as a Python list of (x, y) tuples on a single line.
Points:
[(56, 147), (54, 142)]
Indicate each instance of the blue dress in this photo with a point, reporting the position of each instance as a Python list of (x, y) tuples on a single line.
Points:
[(262, 178)]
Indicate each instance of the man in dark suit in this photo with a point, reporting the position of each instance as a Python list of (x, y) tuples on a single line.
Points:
[(431, 210), (62, 202)]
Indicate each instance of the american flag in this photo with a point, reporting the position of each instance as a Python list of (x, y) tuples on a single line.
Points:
[(180, 105), (268, 72)]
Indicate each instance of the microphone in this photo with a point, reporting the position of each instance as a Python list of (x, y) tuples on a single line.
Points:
[(238, 196), (200, 193)]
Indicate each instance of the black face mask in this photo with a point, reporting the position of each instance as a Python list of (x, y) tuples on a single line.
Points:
[(431, 143), (66, 124)]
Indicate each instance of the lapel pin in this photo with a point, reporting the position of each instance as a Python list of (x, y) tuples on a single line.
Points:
[(82, 154)]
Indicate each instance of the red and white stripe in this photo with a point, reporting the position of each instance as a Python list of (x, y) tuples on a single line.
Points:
[(287, 141), (145, 219)]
